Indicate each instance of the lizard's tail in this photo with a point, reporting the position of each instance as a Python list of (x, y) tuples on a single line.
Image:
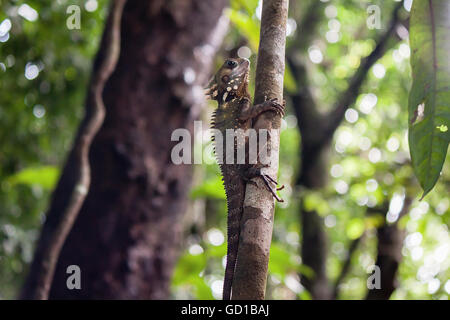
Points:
[(234, 215)]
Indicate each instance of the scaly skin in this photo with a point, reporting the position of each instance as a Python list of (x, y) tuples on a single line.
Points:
[(235, 111)]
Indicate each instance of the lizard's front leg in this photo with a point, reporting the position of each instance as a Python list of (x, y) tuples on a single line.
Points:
[(249, 111)]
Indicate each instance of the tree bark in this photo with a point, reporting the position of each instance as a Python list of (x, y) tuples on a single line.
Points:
[(258, 215), (126, 237)]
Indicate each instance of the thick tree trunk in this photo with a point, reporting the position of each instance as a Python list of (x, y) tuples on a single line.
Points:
[(67, 201), (126, 237)]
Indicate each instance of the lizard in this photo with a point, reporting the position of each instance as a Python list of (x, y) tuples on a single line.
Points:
[(229, 87)]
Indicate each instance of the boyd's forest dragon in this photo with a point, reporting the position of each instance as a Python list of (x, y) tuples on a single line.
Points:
[(229, 88)]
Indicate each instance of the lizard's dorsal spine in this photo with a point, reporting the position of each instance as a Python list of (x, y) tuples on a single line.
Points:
[(225, 118)]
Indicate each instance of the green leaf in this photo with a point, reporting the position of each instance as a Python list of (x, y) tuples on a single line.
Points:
[(306, 271), (313, 201), (289, 81), (45, 176), (188, 268), (429, 99), (355, 228), (217, 251), (249, 5), (304, 295), (248, 27), (212, 188), (202, 290), (187, 273), (280, 260)]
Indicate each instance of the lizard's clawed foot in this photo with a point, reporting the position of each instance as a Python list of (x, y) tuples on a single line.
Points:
[(266, 180), (274, 182), (256, 172), (277, 107)]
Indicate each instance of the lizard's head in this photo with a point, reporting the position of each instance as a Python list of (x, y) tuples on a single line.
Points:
[(230, 81)]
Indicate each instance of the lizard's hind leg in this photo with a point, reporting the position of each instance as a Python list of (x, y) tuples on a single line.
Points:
[(253, 172)]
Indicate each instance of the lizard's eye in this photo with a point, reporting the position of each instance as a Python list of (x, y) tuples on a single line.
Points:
[(231, 63)]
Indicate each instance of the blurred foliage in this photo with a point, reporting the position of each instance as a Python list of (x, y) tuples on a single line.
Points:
[(369, 159), (38, 116)]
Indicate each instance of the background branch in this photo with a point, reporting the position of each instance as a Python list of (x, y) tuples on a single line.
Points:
[(347, 264), (348, 97)]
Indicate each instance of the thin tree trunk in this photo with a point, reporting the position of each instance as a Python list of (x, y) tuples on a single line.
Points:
[(315, 256), (126, 236), (257, 221), (390, 244), (74, 184), (389, 255)]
